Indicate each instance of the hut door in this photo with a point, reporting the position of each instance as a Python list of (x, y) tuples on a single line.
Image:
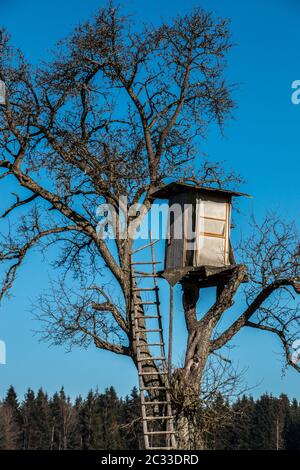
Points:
[(212, 232)]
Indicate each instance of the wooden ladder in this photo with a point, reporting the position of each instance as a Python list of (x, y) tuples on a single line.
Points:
[(157, 419)]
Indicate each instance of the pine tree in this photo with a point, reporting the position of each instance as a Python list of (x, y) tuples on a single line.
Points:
[(241, 432), (265, 422), (109, 410), (64, 422), (131, 429), (12, 424), (9, 429), (40, 422), (282, 420), (89, 422), (27, 411), (215, 422), (293, 427)]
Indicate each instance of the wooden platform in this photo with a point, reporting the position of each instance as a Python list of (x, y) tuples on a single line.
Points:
[(204, 276)]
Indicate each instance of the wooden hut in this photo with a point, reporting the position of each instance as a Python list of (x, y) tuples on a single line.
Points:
[(198, 243)]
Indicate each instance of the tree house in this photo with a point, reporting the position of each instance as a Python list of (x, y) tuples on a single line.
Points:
[(198, 253), (198, 246)]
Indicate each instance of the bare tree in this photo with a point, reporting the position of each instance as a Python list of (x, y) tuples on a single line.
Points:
[(9, 429), (116, 111), (271, 258)]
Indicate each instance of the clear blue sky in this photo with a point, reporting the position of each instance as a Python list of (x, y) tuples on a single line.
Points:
[(261, 143)]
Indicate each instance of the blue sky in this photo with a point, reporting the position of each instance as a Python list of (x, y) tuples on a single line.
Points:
[(261, 143)]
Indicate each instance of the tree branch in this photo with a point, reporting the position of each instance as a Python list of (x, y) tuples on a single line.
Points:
[(282, 338), (250, 311), (18, 204)]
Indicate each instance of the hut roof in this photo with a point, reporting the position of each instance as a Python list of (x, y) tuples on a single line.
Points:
[(176, 187)]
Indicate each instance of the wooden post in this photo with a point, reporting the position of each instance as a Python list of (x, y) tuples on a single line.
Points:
[(220, 288), (170, 351)]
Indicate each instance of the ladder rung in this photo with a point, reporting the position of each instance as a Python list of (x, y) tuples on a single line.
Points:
[(148, 331), (141, 274), (153, 373), (146, 316), (154, 433), (145, 262), (144, 288), (155, 403), (153, 388), (146, 277), (158, 358), (146, 303), (161, 448), (154, 418), (148, 344), (143, 247)]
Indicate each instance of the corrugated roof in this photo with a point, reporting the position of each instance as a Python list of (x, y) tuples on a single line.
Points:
[(166, 191)]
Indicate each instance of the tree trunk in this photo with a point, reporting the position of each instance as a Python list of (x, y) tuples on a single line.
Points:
[(187, 381)]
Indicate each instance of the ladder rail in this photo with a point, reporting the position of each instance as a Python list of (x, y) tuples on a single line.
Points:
[(161, 374), (166, 369), (140, 378)]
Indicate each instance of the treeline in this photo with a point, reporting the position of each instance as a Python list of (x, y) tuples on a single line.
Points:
[(268, 423), (100, 421), (105, 421)]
